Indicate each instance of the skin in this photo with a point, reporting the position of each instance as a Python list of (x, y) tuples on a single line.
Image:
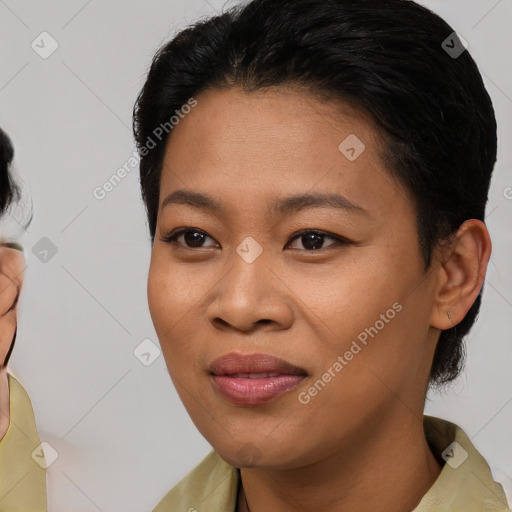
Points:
[(361, 438), (12, 264)]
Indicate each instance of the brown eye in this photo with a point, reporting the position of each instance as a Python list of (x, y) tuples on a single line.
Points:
[(314, 240), (192, 238)]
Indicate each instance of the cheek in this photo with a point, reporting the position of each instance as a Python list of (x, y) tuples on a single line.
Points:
[(374, 304), (384, 354), (173, 297), (156, 295), (170, 292), (350, 297)]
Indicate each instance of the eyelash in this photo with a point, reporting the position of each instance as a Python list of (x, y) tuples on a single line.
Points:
[(339, 241)]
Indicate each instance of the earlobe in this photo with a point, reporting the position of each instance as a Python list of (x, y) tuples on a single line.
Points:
[(462, 271)]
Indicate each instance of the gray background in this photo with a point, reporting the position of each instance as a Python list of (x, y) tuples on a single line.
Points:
[(122, 435)]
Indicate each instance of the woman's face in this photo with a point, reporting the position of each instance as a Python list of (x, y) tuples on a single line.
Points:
[(338, 292)]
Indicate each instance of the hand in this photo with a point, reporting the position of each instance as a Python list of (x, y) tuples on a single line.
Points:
[(12, 265)]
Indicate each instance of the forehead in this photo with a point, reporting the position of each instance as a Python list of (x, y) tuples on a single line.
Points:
[(285, 114), (277, 142)]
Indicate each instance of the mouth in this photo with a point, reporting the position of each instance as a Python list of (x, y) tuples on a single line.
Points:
[(254, 379)]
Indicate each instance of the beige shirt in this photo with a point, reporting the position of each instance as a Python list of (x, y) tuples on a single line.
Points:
[(22, 462), (465, 483)]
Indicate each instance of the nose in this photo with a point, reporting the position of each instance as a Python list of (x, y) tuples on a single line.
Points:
[(251, 295)]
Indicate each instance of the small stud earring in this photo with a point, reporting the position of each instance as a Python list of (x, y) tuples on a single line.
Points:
[(449, 313)]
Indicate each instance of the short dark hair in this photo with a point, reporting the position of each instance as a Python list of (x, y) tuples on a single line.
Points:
[(391, 59), (9, 190)]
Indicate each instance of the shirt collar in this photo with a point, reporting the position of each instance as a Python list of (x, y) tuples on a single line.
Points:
[(464, 484)]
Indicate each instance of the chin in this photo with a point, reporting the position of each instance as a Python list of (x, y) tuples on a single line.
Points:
[(259, 453)]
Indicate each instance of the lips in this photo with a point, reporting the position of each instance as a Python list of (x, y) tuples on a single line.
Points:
[(254, 379)]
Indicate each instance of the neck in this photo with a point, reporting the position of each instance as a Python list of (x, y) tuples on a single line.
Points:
[(388, 470)]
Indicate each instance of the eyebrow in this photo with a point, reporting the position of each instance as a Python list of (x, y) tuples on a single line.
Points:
[(284, 205)]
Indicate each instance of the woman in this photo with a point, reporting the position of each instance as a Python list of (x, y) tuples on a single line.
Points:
[(315, 174), (22, 481)]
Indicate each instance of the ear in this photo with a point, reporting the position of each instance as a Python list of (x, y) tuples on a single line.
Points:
[(461, 273)]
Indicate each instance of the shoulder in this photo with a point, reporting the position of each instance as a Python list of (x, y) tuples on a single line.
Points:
[(465, 482), (211, 486), (23, 482)]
